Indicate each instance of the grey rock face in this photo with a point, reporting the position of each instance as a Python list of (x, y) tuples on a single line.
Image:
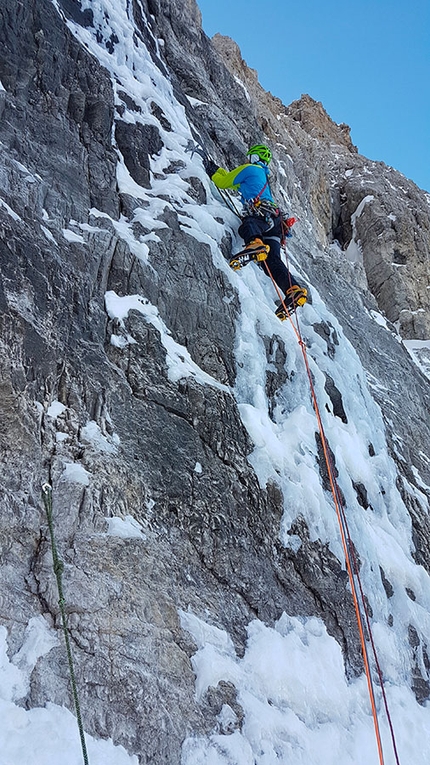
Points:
[(392, 233), (173, 454), (41, 95)]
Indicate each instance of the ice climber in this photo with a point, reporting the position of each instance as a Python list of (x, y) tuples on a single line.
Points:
[(263, 226)]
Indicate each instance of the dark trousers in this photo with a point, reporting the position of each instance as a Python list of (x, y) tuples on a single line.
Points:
[(271, 233)]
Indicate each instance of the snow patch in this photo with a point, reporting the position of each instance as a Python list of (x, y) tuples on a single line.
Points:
[(38, 640), (9, 210), (178, 359), (75, 473), (48, 235), (72, 236), (121, 341), (48, 735), (196, 102), (417, 344), (245, 90), (91, 434), (55, 409), (379, 318), (125, 528)]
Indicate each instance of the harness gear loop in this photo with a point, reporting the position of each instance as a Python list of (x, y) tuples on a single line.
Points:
[(58, 570)]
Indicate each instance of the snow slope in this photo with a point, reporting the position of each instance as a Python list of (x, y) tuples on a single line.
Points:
[(47, 735)]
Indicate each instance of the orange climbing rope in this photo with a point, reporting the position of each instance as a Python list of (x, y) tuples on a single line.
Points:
[(350, 557)]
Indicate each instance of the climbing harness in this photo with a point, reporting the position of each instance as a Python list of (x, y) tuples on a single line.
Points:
[(350, 557), (262, 208), (58, 570)]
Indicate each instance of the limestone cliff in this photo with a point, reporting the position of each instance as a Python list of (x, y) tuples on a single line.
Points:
[(141, 409)]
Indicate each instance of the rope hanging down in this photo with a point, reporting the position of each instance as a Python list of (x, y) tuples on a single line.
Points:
[(58, 569), (350, 557)]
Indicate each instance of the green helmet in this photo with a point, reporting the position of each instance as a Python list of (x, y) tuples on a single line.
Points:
[(263, 152)]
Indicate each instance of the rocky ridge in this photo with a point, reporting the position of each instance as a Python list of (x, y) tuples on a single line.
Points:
[(87, 394)]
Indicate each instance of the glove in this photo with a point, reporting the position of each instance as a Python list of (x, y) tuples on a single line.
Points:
[(210, 166)]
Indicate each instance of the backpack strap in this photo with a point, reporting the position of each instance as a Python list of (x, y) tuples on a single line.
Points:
[(260, 192)]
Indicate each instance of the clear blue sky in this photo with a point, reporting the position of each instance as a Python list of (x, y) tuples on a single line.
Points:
[(367, 62)]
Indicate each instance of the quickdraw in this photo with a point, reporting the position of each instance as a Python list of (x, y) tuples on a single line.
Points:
[(262, 208)]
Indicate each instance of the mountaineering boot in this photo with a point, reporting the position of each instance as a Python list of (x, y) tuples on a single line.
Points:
[(255, 250), (294, 297)]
